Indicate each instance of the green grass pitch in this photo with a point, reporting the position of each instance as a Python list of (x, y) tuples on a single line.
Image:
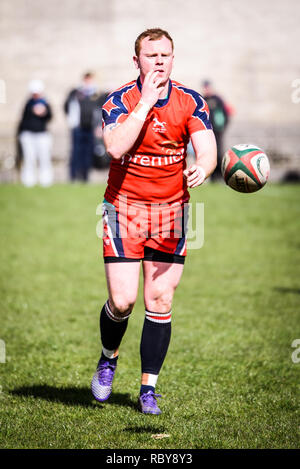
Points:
[(228, 381)]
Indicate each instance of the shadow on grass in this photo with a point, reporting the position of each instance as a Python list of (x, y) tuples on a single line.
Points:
[(287, 290), (71, 396), (144, 429)]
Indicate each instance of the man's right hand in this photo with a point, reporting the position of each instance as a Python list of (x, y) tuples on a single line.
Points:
[(151, 88), (39, 109)]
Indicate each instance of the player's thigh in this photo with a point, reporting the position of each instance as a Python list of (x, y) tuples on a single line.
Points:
[(122, 283), (160, 282)]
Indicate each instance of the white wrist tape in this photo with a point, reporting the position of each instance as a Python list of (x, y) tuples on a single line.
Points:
[(141, 111)]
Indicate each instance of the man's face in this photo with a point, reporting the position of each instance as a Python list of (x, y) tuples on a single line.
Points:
[(88, 81), (207, 90), (155, 55)]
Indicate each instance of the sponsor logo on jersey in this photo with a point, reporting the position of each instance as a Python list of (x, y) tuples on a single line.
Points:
[(153, 160), (171, 147)]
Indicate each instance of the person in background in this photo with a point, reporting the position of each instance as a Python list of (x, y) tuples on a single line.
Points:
[(83, 109), (35, 140), (219, 117)]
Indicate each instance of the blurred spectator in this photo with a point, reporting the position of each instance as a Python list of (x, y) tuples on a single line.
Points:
[(219, 116), (35, 141), (83, 108)]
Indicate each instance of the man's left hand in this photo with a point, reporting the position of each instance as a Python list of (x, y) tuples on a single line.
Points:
[(195, 175)]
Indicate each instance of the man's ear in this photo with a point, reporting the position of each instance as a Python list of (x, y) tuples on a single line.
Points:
[(136, 61)]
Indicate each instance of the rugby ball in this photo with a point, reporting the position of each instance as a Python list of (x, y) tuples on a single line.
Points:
[(245, 168)]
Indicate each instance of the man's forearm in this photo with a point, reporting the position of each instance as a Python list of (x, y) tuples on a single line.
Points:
[(120, 139), (208, 162), (206, 151)]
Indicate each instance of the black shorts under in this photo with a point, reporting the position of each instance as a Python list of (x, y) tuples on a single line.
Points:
[(150, 255)]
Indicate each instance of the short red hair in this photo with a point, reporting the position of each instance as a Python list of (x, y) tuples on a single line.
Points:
[(153, 34)]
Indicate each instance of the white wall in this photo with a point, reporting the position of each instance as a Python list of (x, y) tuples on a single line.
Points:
[(249, 49)]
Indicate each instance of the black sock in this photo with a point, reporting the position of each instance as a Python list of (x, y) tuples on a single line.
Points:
[(145, 388), (104, 358), (111, 330), (155, 341)]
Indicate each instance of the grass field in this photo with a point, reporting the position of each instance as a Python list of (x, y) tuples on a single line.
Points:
[(228, 380)]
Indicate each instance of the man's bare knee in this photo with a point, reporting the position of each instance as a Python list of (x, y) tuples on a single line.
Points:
[(121, 307), (161, 300)]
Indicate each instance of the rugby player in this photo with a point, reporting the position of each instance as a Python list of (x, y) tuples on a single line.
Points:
[(147, 124)]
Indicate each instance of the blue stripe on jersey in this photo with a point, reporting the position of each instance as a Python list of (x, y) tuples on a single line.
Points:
[(199, 111), (117, 100)]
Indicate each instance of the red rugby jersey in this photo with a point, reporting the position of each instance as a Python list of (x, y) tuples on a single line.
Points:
[(152, 170)]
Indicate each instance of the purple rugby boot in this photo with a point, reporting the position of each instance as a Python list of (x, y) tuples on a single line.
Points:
[(102, 381), (147, 403)]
